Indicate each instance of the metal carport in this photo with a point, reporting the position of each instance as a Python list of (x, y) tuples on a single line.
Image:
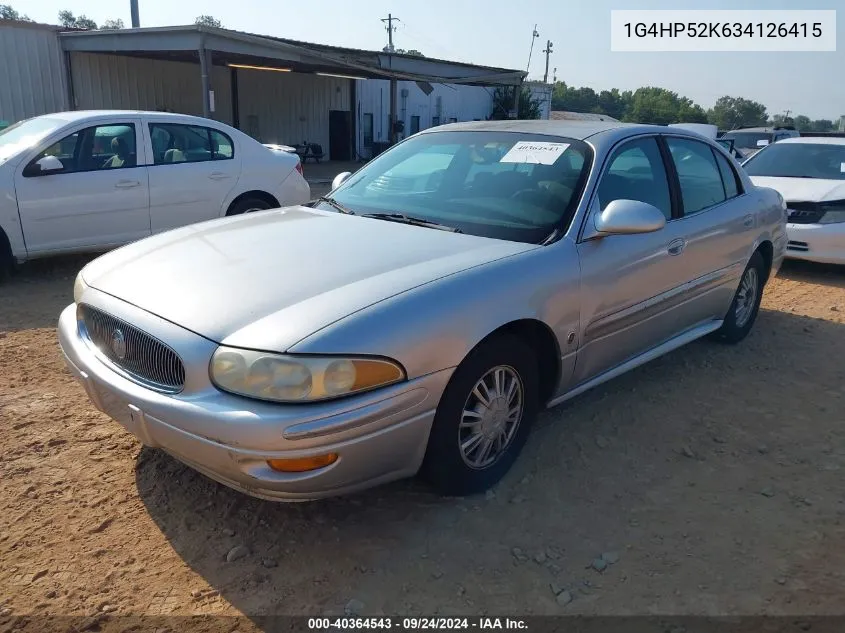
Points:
[(210, 47)]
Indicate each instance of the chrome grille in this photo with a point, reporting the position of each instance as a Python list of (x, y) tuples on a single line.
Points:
[(143, 358)]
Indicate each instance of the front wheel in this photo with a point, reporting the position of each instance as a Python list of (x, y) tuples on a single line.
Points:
[(483, 418), (746, 302)]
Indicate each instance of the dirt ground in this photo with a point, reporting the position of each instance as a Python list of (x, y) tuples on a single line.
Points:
[(713, 477)]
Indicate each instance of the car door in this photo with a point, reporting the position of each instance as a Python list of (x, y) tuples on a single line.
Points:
[(193, 170), (97, 197), (632, 286), (717, 225)]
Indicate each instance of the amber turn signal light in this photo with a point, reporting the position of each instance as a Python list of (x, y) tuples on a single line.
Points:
[(302, 464)]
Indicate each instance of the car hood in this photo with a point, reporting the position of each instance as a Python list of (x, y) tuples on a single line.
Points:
[(267, 280), (803, 189)]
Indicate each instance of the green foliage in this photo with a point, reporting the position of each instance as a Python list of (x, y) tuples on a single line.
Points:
[(69, 21), (645, 105), (529, 108), (208, 20), (730, 113), (112, 25), (7, 12)]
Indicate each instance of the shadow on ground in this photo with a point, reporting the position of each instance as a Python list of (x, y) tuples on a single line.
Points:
[(809, 272), (611, 469)]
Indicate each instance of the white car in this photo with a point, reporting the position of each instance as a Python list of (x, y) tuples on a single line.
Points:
[(90, 181), (809, 172)]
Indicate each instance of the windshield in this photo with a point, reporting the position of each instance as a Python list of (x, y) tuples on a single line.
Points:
[(25, 134), (505, 185), (799, 160), (749, 140)]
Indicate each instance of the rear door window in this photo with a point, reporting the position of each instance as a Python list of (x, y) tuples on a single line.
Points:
[(176, 143)]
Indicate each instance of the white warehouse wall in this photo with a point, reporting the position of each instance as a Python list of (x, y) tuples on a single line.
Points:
[(463, 103), (32, 72), (132, 83)]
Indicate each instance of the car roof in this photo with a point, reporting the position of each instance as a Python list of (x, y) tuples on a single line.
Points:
[(815, 140), (764, 129), (579, 130), (82, 115)]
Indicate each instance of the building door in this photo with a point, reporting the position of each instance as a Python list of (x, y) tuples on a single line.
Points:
[(340, 134)]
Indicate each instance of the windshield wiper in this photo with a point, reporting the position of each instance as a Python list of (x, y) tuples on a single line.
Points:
[(408, 219), (334, 203)]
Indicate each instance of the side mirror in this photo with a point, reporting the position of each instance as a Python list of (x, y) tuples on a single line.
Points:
[(340, 179), (43, 166), (626, 217)]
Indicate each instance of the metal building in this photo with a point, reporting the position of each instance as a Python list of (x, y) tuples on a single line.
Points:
[(32, 71), (277, 90)]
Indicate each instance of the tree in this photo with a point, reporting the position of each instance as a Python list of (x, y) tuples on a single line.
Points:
[(802, 123), (8, 13), (730, 113), (529, 108), (653, 105), (410, 51), (69, 21), (112, 25), (208, 20)]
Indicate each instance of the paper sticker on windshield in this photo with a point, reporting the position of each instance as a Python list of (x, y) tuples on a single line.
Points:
[(534, 152), (842, 167), (762, 143)]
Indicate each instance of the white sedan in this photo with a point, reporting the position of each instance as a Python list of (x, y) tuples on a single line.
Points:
[(809, 172), (90, 181)]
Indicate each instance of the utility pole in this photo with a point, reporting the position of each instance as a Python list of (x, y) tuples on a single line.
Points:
[(534, 36), (390, 28), (548, 51), (133, 10)]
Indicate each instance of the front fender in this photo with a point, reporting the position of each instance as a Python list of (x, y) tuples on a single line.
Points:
[(434, 326), (10, 221)]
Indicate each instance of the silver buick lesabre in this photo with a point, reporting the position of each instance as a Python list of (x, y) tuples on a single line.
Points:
[(418, 317)]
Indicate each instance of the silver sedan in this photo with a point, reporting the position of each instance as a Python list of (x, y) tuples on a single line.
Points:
[(419, 317)]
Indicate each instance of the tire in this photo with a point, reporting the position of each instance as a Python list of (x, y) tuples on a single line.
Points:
[(7, 262), (742, 314), (248, 205), (445, 465)]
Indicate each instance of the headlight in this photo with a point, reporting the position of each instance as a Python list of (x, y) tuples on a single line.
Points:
[(833, 217), (79, 286), (283, 378)]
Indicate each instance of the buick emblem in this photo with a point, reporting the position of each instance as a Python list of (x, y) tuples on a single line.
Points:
[(118, 344)]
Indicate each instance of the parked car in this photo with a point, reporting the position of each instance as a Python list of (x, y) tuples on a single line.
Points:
[(711, 132), (748, 141), (90, 181), (310, 352), (809, 173)]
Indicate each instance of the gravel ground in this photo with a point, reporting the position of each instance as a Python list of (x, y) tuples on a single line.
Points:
[(706, 482)]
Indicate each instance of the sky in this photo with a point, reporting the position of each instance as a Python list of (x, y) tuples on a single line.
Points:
[(498, 33)]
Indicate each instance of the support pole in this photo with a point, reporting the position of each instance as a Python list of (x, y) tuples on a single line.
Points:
[(236, 106), (393, 85), (516, 91), (205, 70)]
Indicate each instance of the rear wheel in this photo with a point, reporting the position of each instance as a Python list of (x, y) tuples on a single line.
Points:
[(746, 302), (7, 262), (483, 419), (249, 205)]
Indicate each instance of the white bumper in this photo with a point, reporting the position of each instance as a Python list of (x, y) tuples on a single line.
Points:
[(822, 243)]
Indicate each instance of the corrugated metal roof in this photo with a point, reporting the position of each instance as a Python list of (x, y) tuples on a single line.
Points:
[(562, 115)]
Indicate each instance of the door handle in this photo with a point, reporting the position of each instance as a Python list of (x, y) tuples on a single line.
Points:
[(126, 184), (748, 220), (677, 246), (218, 175)]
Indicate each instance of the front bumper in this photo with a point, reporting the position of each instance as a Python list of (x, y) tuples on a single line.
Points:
[(379, 436), (821, 243)]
